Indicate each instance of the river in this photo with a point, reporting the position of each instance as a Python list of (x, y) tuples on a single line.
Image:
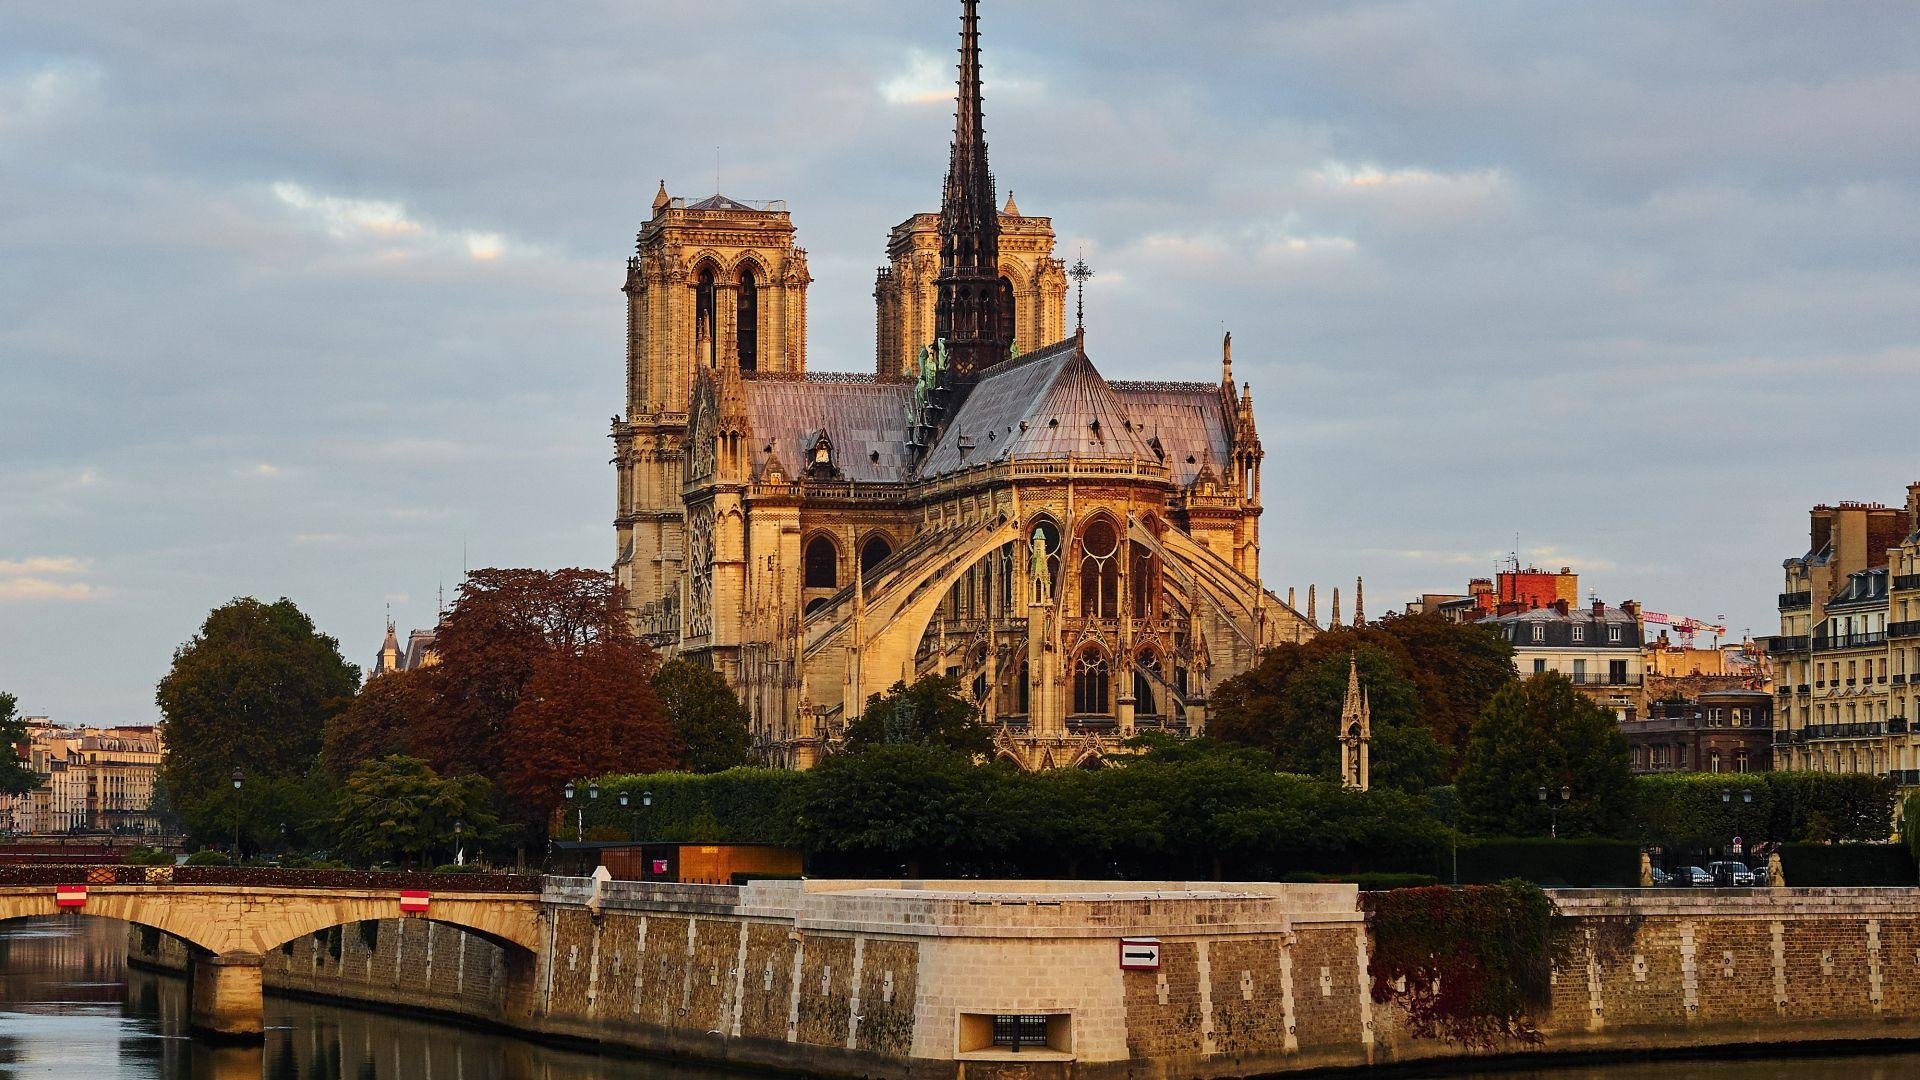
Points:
[(71, 1009)]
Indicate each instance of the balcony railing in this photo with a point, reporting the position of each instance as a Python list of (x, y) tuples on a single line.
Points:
[(1847, 641), (1896, 725), (1907, 581), (1596, 678), (1782, 644), (1908, 629), (1905, 777), (1865, 729), (1791, 600)]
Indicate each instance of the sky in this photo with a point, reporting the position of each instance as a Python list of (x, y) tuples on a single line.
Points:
[(322, 301)]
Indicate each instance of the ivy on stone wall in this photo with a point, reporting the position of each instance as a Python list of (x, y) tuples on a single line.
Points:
[(1467, 966)]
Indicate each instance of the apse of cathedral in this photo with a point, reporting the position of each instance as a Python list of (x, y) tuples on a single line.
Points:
[(1080, 554)]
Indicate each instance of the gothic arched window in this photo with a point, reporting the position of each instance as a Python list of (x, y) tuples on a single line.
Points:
[(1145, 666), (873, 553), (1092, 689), (1008, 328), (1141, 575), (747, 321), (823, 564), (1099, 570), (706, 331)]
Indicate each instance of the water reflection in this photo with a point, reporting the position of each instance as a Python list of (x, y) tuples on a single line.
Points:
[(71, 1008)]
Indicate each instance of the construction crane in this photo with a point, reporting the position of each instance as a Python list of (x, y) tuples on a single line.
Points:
[(1686, 626)]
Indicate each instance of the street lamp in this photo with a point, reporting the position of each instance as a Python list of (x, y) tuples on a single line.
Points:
[(459, 848), (236, 813), (1553, 809)]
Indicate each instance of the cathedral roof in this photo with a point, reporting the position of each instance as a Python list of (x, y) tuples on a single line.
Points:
[(861, 417), (1049, 403), (1188, 419), (714, 202)]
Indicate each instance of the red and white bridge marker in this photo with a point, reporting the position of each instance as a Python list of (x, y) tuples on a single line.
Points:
[(414, 901), (70, 896)]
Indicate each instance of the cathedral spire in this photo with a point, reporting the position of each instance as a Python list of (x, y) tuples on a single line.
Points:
[(971, 310), (1359, 601)]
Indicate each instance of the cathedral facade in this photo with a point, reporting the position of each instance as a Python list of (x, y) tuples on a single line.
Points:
[(1081, 555)]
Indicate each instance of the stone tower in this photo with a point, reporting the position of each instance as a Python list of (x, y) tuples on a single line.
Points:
[(1356, 732), (713, 283)]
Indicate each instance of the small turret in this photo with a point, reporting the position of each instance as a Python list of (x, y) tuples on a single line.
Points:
[(660, 199)]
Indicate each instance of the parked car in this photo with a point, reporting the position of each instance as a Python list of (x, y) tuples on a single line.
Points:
[(1693, 876), (1661, 877), (1727, 873)]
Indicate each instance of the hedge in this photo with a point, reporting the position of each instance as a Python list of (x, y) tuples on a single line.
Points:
[(1687, 810), (1575, 864), (1843, 865)]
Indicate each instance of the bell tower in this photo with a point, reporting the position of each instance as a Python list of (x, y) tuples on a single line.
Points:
[(713, 283)]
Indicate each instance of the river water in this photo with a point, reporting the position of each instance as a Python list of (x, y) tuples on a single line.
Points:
[(71, 1009)]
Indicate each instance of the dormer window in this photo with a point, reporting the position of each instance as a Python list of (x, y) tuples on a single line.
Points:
[(820, 458), (1613, 634), (1579, 633), (1539, 633)]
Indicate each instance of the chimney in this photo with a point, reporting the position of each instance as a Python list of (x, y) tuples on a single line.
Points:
[(1599, 608), (1560, 606), (1632, 608)]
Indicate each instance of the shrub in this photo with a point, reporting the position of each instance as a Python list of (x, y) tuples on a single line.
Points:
[(1844, 865), (1582, 864), (145, 856), (207, 858), (1467, 965)]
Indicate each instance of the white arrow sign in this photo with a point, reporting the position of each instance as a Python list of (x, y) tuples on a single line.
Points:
[(1139, 954)]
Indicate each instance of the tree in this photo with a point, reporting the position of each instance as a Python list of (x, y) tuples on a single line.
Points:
[(397, 809), (16, 776), (931, 712), (906, 802), (252, 690), (1289, 705), (502, 626), (1427, 679), (708, 721), (378, 722), (1538, 735), (585, 712)]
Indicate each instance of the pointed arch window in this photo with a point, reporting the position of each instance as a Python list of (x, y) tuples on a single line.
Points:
[(823, 564), (1099, 570), (747, 320), (705, 329), (873, 553), (1145, 701), (1092, 685)]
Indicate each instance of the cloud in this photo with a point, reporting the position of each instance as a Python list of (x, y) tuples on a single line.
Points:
[(385, 224), (45, 577), (35, 94)]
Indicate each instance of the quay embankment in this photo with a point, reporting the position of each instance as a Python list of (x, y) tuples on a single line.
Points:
[(935, 978)]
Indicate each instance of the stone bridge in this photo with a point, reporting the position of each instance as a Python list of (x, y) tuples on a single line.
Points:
[(229, 929)]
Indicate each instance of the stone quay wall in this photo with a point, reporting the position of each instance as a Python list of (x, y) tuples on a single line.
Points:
[(891, 978)]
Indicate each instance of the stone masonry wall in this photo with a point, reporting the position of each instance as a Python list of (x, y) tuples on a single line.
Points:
[(872, 981)]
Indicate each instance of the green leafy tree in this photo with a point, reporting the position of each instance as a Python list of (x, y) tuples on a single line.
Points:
[(1426, 677), (931, 712), (16, 778), (397, 809), (905, 803), (709, 723), (252, 690), (1542, 734)]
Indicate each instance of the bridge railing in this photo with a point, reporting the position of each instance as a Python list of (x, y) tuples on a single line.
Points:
[(269, 877)]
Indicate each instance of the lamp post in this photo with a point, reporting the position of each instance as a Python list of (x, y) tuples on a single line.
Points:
[(1746, 799), (236, 813), (1553, 809), (459, 848)]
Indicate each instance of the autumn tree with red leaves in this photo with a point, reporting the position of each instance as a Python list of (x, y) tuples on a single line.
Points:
[(540, 681)]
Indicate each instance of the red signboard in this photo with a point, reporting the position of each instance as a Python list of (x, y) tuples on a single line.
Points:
[(414, 900), (70, 896)]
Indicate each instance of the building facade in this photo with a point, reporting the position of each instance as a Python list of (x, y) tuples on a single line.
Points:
[(1848, 652), (1081, 555), (1596, 647), (92, 780)]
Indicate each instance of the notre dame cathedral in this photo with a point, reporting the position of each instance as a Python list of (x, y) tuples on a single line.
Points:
[(1081, 554)]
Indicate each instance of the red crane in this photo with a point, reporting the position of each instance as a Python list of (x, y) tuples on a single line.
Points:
[(1685, 626)]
